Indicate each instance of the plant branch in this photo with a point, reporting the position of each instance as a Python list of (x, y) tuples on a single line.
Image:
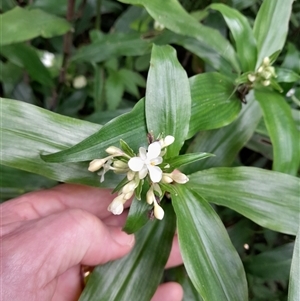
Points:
[(98, 15)]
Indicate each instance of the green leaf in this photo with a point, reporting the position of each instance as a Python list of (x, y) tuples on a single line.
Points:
[(294, 287), (26, 57), (137, 216), (269, 198), (171, 14), (136, 276), (271, 27), (28, 130), (130, 127), (286, 75), (208, 255), (242, 34), (126, 148), (131, 81), (16, 182), (226, 142), (98, 89), (179, 275), (282, 130), (114, 89), (214, 103), (18, 25), (187, 159), (273, 264), (292, 58), (112, 45), (168, 98), (199, 48)]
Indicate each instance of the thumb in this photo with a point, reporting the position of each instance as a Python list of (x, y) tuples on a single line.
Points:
[(62, 240)]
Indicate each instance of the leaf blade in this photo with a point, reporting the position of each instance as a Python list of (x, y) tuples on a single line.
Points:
[(242, 34), (33, 130), (214, 103), (172, 15), (168, 99), (282, 130), (143, 260), (294, 287), (130, 127), (19, 25), (206, 247), (255, 193), (271, 27)]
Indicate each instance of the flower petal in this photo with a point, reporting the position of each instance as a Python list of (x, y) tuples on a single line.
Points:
[(156, 161), (143, 153), (154, 150), (143, 172), (135, 164), (155, 173)]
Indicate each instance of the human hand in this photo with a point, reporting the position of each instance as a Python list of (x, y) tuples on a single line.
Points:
[(48, 235)]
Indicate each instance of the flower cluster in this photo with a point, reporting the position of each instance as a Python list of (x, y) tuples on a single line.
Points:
[(146, 165), (264, 73)]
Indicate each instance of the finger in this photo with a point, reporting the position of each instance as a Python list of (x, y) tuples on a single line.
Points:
[(62, 240), (175, 258), (68, 286), (170, 291), (116, 220), (42, 203)]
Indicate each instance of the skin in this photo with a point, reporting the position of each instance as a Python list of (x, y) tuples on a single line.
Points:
[(47, 236)]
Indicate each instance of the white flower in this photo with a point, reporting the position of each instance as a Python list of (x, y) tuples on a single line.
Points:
[(147, 161)]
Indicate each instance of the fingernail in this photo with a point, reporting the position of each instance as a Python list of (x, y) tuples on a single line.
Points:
[(122, 238)]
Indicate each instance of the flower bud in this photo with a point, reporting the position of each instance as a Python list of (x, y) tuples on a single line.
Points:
[(96, 164), (150, 197), (266, 83), (168, 140), (158, 212), (116, 207), (130, 175), (266, 61), (158, 26), (128, 195), (251, 78), (157, 188), (79, 82), (115, 151), (129, 187), (260, 70), (179, 177), (120, 164), (166, 178)]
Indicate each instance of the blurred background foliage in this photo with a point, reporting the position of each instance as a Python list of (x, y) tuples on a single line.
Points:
[(89, 59)]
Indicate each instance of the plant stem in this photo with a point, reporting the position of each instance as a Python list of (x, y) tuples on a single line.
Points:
[(98, 15), (67, 42)]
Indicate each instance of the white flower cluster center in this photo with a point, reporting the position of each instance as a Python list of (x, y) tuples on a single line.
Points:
[(137, 168)]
